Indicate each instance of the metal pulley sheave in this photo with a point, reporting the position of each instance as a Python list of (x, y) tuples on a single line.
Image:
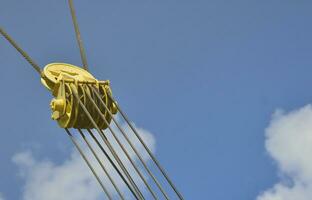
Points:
[(66, 82)]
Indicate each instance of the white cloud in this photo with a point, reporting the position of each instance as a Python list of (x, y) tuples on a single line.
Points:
[(1, 197), (289, 143), (71, 180)]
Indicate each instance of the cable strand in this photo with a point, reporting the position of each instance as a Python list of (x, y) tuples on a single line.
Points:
[(20, 50), (78, 36), (88, 163), (147, 149)]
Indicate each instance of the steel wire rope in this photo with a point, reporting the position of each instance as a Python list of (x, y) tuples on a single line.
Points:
[(101, 164), (112, 163), (131, 145), (20, 50), (88, 163), (147, 149), (78, 35), (122, 147), (108, 145)]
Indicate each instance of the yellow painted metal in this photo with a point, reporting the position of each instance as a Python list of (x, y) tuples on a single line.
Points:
[(52, 72), (63, 80)]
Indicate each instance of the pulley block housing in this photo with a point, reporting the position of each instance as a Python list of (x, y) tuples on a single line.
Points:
[(67, 82)]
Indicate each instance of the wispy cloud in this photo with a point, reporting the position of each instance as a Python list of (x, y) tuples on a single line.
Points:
[(289, 143), (1, 196), (71, 180)]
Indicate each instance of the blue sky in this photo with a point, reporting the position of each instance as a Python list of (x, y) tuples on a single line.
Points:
[(203, 76)]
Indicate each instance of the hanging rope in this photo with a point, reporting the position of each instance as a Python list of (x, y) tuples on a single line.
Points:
[(147, 149), (113, 164), (122, 146), (20, 50), (101, 164), (131, 145), (88, 163), (78, 36), (110, 147)]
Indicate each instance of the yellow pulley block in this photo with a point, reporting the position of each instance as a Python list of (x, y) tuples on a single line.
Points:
[(70, 85)]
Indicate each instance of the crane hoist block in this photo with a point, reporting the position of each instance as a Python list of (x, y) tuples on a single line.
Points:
[(67, 82)]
